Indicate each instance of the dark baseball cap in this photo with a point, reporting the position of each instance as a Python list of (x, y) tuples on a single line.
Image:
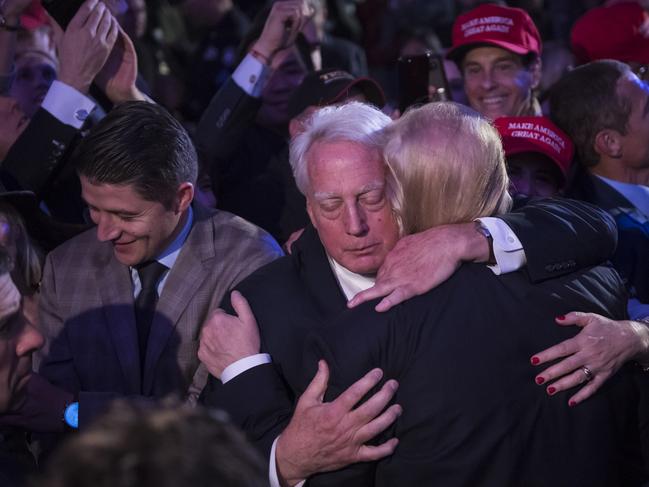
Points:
[(329, 86)]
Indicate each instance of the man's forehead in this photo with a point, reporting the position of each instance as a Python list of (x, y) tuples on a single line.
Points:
[(334, 164)]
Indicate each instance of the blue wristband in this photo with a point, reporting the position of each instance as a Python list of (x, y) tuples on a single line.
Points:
[(71, 415)]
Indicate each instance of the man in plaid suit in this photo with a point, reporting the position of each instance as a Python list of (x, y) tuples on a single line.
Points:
[(111, 330)]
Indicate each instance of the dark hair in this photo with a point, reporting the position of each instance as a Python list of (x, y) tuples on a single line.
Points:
[(156, 446), (585, 101), (139, 143)]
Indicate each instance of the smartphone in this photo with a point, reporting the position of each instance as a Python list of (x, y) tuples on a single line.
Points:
[(62, 10), (421, 79)]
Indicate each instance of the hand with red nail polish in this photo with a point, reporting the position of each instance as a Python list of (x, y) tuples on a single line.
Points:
[(603, 345)]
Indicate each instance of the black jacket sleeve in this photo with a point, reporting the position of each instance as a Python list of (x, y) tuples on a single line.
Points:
[(562, 235)]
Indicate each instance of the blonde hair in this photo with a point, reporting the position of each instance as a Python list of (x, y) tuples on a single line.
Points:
[(450, 163)]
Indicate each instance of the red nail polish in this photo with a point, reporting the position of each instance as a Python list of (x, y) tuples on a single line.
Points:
[(551, 390), (572, 404), (535, 360), (561, 317), (540, 380)]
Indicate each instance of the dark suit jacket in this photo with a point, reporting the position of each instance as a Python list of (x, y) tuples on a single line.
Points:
[(87, 312), (631, 258), (248, 164), (298, 293), (472, 413), (16, 461), (36, 162)]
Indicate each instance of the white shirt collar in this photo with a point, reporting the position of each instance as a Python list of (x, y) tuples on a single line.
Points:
[(350, 282), (637, 194)]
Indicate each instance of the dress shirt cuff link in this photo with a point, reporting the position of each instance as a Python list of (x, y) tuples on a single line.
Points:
[(67, 105), (508, 250), (244, 364), (251, 76), (273, 478)]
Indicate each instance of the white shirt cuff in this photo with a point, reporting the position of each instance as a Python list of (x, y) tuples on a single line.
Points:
[(508, 250), (251, 75), (273, 478), (241, 365), (67, 105)]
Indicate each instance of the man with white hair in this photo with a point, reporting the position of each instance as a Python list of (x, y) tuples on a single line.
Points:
[(353, 202)]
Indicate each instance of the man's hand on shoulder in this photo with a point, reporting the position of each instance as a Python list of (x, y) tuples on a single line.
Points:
[(325, 436), (226, 339), (421, 262)]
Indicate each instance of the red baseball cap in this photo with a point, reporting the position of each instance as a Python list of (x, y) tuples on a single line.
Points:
[(619, 31), (506, 27), (536, 134)]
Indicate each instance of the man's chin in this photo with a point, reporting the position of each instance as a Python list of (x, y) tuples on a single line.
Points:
[(368, 266), (126, 256)]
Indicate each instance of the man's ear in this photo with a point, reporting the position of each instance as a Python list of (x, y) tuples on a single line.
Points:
[(608, 142), (184, 196), (295, 126), (535, 72)]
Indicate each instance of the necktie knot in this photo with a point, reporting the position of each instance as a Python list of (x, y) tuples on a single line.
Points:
[(150, 273)]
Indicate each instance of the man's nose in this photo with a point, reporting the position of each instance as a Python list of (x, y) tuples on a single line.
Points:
[(487, 80), (29, 341), (107, 228), (355, 221), (523, 186)]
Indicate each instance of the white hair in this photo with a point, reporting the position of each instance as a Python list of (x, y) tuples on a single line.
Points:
[(351, 122)]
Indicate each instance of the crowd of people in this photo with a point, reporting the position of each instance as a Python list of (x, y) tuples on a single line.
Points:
[(230, 255)]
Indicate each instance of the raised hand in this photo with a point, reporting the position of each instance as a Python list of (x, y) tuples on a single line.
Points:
[(118, 75), (285, 20), (86, 44)]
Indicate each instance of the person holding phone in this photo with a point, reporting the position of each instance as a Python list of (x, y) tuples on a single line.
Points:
[(498, 52)]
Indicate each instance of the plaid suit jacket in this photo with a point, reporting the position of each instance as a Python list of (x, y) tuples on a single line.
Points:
[(87, 312)]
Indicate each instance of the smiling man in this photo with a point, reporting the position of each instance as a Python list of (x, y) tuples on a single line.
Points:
[(122, 303), (498, 51)]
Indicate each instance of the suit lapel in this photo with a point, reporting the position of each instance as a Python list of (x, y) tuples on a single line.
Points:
[(116, 291), (315, 271), (185, 278)]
